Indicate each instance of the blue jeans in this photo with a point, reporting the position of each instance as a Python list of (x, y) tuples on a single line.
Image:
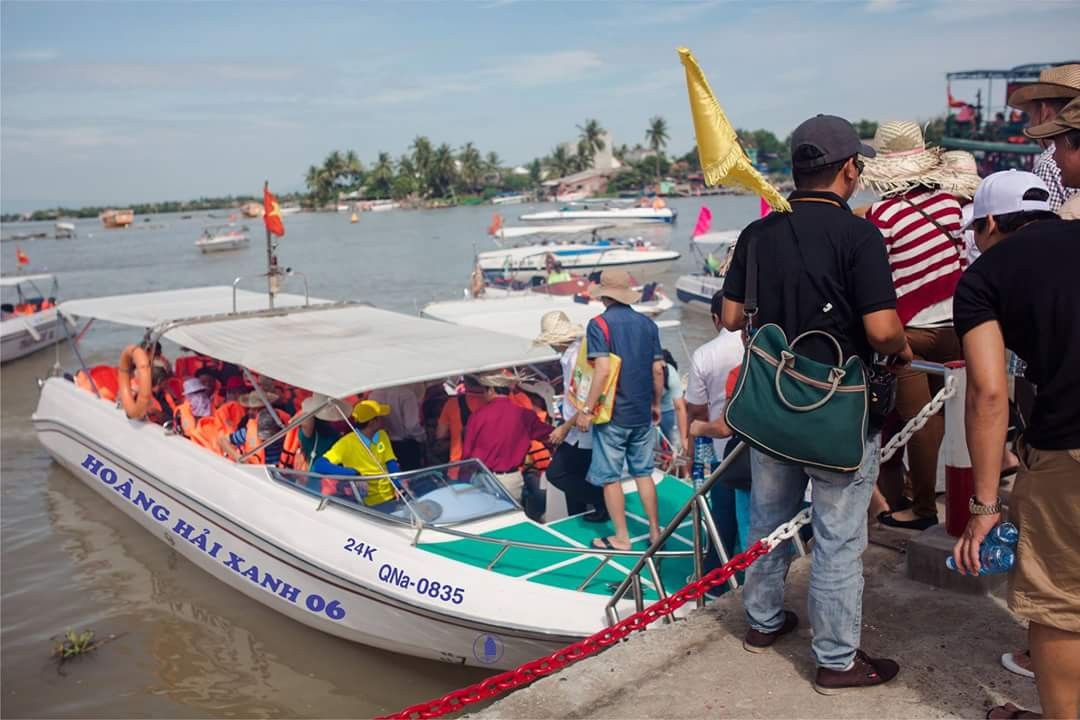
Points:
[(616, 447), (840, 502), (731, 512)]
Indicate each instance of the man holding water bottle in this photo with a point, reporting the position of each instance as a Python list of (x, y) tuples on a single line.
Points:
[(1022, 294)]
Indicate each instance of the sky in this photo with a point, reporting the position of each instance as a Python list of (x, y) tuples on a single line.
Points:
[(116, 103)]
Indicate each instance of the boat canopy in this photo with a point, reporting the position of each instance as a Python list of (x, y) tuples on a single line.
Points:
[(717, 237), (331, 348), (508, 233), (13, 280)]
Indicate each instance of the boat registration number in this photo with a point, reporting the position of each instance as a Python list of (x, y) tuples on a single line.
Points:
[(434, 589)]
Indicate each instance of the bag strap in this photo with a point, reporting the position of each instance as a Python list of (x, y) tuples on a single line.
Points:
[(957, 242), (750, 303), (602, 324)]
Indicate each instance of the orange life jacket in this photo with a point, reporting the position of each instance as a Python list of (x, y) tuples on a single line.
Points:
[(231, 414), (251, 441), (188, 365), (105, 378), (292, 454), (538, 455)]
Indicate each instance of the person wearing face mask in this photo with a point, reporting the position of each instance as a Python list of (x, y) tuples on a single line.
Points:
[(1022, 294)]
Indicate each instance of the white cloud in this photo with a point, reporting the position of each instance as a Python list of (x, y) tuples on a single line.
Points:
[(28, 139), (882, 6), (535, 70), (39, 55)]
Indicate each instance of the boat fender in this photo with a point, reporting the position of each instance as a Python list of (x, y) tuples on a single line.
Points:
[(135, 357)]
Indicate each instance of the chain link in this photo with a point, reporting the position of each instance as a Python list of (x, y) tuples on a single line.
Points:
[(535, 669), (916, 423)]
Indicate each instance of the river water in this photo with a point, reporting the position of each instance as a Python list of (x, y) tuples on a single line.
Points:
[(187, 645)]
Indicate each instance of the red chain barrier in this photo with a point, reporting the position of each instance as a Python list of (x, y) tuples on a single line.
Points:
[(536, 669)]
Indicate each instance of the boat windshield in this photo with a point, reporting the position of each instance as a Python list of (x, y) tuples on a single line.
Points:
[(441, 495)]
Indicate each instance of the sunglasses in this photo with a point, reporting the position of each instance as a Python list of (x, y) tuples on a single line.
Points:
[(859, 164)]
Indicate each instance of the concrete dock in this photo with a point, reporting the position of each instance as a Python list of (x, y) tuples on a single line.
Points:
[(948, 645)]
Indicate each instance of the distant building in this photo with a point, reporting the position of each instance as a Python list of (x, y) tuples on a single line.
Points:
[(579, 186), (604, 159), (637, 154)]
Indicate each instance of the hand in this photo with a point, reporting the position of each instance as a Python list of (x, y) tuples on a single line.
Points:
[(902, 358), (656, 413), (583, 421), (558, 436), (698, 428), (966, 550)]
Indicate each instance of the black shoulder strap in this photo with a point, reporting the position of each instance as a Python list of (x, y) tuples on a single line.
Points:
[(750, 304), (463, 408)]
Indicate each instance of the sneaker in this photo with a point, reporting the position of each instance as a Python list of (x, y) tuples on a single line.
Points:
[(865, 672), (757, 641)]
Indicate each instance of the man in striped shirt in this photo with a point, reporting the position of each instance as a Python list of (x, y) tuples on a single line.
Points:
[(921, 227)]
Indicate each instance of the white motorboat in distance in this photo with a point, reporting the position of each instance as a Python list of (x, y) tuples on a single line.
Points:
[(600, 211), (578, 248), (218, 238), (452, 570), (696, 291), (28, 318)]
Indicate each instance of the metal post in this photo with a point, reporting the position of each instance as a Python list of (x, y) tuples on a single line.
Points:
[(714, 538), (262, 396), (696, 519), (78, 355)]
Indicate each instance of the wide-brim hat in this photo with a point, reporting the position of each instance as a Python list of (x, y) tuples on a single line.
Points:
[(556, 328), (1066, 120), (959, 174), (503, 379), (367, 410), (903, 160), (615, 284), (250, 400), (194, 385), (328, 409), (1056, 83)]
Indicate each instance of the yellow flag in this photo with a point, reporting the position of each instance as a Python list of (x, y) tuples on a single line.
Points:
[(722, 157)]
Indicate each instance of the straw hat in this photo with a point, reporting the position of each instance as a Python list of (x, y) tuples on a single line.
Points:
[(615, 284), (1066, 120), (367, 410), (959, 174), (250, 400), (502, 379), (903, 161), (327, 412), (556, 328), (1056, 83)]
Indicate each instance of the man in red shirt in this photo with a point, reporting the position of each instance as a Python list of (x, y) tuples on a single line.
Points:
[(499, 433)]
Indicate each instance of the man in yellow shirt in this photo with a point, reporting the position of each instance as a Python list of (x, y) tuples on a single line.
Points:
[(366, 452)]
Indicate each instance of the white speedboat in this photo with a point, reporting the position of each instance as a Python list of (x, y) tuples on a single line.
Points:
[(218, 238), (603, 212), (379, 206), (510, 199), (696, 291), (28, 319), (578, 248), (518, 312), (714, 250), (64, 230), (451, 570)]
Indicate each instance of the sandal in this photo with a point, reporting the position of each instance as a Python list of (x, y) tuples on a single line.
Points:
[(1015, 662), (1009, 711), (604, 543)]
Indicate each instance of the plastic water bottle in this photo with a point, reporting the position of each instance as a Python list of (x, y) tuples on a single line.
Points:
[(1016, 366), (996, 553), (699, 470)]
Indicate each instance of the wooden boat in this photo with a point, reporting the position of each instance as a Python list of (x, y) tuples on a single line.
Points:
[(117, 218)]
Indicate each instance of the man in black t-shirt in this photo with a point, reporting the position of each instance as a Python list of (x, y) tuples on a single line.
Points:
[(819, 268), (1023, 293)]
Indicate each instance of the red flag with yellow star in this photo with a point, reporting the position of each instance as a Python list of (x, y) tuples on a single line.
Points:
[(272, 212)]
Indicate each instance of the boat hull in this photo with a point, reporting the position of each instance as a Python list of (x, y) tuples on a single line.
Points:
[(528, 262), (25, 334), (696, 291), (290, 557), (222, 244)]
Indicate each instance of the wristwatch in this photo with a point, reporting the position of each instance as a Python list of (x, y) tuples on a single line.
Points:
[(977, 508)]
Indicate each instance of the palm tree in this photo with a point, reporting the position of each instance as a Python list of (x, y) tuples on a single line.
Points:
[(536, 172), (443, 172), (472, 166), (381, 179), (494, 162), (315, 179), (421, 157), (592, 139), (657, 136), (560, 162), (352, 170)]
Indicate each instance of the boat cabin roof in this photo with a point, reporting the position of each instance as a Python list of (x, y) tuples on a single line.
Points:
[(337, 349), (13, 280), (717, 237)]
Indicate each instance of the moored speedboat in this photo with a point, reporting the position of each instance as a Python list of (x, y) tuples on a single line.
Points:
[(576, 247), (218, 238), (696, 291), (598, 212), (28, 321), (452, 570)]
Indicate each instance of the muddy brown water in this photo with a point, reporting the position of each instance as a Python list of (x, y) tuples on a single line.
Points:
[(187, 645)]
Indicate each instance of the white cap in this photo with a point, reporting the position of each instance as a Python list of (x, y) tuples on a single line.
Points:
[(967, 214), (1002, 193)]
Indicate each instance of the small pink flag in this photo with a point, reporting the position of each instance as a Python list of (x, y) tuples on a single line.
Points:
[(704, 220), (765, 208)]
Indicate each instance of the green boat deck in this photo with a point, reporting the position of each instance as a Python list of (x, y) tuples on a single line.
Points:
[(569, 570)]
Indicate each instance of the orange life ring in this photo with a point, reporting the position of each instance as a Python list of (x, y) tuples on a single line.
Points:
[(137, 405)]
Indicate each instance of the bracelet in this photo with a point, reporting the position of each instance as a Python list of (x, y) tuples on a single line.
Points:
[(977, 508)]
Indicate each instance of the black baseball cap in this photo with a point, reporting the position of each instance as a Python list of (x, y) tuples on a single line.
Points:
[(826, 139)]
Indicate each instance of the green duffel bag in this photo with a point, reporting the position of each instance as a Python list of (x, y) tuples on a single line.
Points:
[(797, 409)]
